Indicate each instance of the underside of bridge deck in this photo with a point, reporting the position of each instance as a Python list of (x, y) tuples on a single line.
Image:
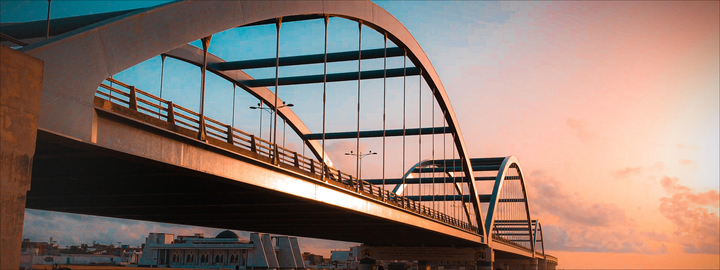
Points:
[(75, 177)]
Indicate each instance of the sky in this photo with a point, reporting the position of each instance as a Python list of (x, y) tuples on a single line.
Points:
[(612, 108)]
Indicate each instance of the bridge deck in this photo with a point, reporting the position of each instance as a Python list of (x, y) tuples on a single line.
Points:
[(78, 177)]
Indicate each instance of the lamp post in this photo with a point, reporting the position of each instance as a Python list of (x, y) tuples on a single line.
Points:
[(267, 109), (360, 156)]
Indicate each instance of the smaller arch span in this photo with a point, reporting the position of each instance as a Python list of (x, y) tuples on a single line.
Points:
[(504, 216)]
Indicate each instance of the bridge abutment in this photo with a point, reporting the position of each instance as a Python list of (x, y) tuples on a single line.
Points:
[(21, 79)]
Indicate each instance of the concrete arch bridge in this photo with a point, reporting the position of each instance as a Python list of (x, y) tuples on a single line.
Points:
[(106, 147)]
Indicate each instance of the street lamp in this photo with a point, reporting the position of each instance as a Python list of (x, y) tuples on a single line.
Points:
[(267, 109), (360, 156)]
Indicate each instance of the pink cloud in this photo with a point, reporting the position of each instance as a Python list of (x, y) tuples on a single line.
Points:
[(697, 228), (581, 131), (75, 229), (583, 226), (687, 162), (548, 197), (627, 172)]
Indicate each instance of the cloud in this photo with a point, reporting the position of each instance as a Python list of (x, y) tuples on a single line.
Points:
[(322, 247), (687, 162), (548, 197), (659, 166), (582, 133), (75, 229), (627, 172), (697, 228), (581, 226), (589, 239)]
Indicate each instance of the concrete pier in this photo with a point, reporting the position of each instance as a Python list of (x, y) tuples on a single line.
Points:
[(21, 79)]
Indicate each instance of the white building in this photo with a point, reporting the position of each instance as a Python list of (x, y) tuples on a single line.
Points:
[(344, 259), (226, 250)]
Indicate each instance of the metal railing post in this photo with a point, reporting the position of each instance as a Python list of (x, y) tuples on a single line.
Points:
[(171, 112), (230, 135), (253, 144), (133, 99)]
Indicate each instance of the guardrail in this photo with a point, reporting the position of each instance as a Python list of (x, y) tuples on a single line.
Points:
[(166, 110), (510, 242)]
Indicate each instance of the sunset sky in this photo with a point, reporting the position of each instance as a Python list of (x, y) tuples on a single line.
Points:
[(612, 108)]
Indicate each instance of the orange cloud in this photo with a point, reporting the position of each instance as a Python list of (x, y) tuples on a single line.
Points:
[(697, 228), (578, 225), (627, 172), (582, 133), (687, 162)]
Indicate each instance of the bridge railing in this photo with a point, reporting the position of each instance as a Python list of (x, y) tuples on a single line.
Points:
[(165, 110)]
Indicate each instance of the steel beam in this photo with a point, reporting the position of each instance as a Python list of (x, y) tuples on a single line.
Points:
[(336, 77), (455, 169), (510, 229), (308, 59), (426, 180), (292, 18), (449, 198), (474, 161), (377, 133)]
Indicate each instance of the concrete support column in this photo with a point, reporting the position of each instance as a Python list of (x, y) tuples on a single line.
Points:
[(20, 90)]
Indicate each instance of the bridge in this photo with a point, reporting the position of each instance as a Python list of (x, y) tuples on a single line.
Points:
[(87, 137)]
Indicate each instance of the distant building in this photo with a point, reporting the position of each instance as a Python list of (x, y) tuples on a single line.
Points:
[(312, 259), (226, 250), (39, 248), (344, 259)]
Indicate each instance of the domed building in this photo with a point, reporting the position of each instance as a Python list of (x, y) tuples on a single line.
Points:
[(225, 250), (227, 234)]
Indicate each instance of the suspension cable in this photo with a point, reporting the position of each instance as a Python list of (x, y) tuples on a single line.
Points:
[(384, 107), (327, 18), (420, 185), (357, 141), (404, 99), (433, 145), (277, 90)]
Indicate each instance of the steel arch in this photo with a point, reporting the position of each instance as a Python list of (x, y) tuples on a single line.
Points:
[(538, 229), (497, 191), (106, 48)]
